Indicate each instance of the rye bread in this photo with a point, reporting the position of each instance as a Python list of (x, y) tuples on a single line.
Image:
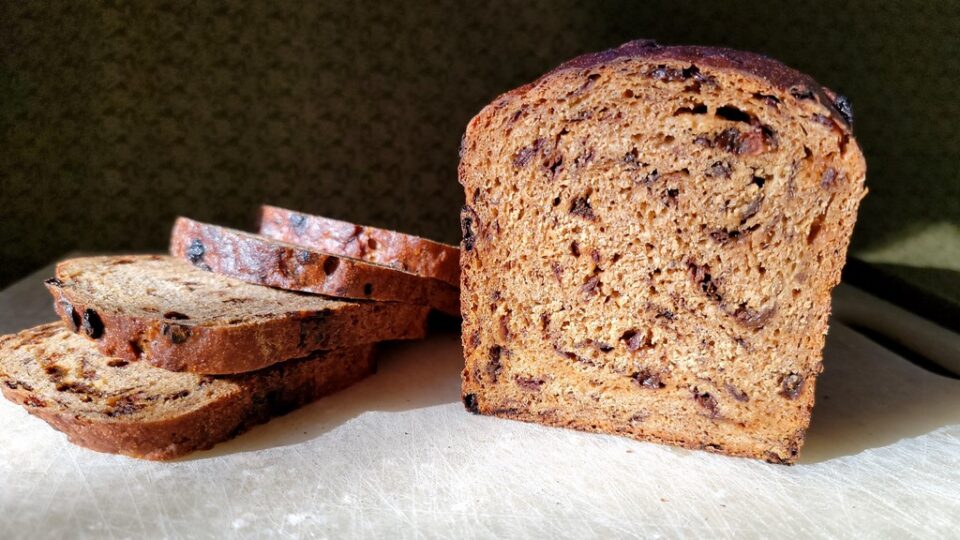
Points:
[(409, 253), (265, 261), (111, 405), (175, 316), (651, 236)]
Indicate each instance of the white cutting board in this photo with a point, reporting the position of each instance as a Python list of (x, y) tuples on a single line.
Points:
[(397, 456)]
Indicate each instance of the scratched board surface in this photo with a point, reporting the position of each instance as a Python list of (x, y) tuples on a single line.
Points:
[(397, 455)]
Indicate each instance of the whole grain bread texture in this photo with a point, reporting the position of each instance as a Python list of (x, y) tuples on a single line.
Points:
[(650, 240), (168, 313), (409, 253), (265, 261), (111, 405)]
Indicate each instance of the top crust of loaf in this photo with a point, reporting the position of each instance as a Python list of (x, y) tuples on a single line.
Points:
[(180, 318), (406, 252), (798, 84)]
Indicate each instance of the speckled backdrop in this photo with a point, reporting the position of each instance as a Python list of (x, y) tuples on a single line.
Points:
[(114, 119)]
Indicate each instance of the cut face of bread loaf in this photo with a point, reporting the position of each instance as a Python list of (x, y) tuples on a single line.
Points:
[(265, 261), (175, 316), (420, 256), (111, 405), (651, 236)]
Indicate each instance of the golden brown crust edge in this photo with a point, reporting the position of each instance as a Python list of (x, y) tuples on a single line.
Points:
[(219, 350), (420, 256), (269, 262)]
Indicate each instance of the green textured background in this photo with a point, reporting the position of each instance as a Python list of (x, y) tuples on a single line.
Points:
[(114, 119)]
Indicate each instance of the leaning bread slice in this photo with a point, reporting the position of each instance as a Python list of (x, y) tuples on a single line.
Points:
[(170, 314), (265, 261), (650, 240), (110, 405), (413, 254)]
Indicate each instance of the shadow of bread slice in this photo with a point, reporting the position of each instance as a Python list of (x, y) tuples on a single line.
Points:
[(265, 261), (132, 408), (169, 313), (413, 254), (650, 240)]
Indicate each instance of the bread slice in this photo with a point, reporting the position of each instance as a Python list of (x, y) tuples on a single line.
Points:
[(264, 261), (413, 254), (110, 405), (175, 316), (650, 240)]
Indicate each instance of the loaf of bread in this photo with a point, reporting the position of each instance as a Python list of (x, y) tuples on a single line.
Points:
[(650, 239), (413, 254), (111, 405), (175, 316), (265, 261)]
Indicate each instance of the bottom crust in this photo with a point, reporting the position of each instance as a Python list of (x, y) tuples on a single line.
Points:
[(785, 454)]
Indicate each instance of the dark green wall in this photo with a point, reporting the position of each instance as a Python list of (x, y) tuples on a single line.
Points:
[(113, 120)]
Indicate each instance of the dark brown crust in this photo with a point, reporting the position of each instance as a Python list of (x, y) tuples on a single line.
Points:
[(420, 256), (265, 261), (768, 69), (241, 348), (261, 396)]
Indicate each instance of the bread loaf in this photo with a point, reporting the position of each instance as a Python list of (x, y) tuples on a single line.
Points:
[(650, 239)]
